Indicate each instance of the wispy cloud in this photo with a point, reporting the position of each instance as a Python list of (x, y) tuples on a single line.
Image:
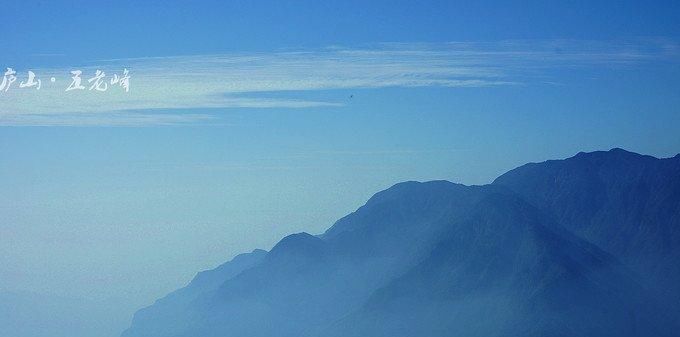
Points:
[(251, 80)]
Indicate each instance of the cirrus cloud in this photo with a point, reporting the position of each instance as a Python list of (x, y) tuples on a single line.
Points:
[(251, 80)]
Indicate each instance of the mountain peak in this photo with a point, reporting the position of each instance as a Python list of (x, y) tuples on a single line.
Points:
[(411, 198), (618, 149), (298, 244), (399, 189), (616, 152)]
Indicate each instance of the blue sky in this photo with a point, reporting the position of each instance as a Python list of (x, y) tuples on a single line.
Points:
[(239, 127)]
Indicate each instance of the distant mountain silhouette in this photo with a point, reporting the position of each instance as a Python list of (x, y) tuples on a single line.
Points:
[(586, 246), (625, 203)]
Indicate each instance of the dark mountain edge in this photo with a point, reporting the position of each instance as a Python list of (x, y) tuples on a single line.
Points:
[(623, 202), (586, 246)]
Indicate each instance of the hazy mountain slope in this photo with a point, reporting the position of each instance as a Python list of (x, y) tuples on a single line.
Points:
[(500, 271), (165, 315), (436, 258), (332, 274), (627, 204)]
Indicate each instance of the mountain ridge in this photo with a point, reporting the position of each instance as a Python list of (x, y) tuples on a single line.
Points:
[(470, 251)]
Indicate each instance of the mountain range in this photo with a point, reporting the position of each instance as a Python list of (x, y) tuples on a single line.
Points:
[(585, 246)]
